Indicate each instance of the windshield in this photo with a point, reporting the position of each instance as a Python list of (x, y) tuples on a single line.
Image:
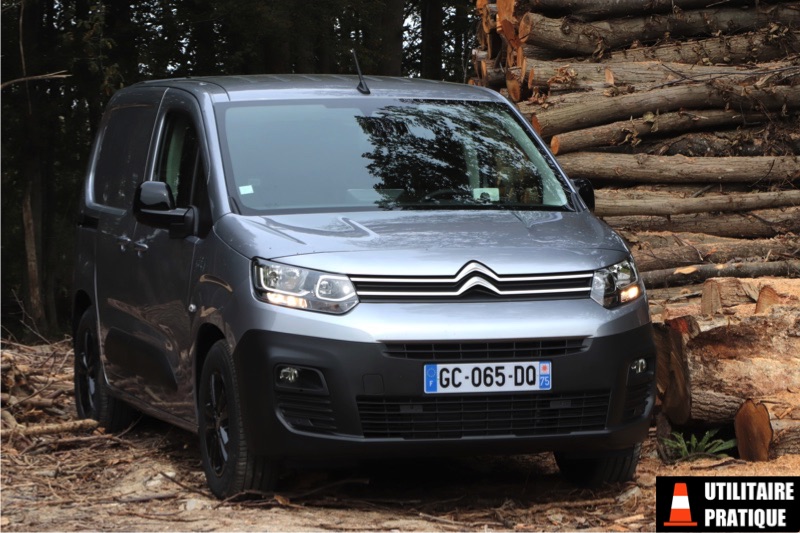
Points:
[(376, 153)]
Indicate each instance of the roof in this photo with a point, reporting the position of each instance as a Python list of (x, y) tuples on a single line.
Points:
[(297, 86)]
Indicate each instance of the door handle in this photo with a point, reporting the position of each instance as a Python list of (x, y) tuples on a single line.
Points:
[(123, 243)]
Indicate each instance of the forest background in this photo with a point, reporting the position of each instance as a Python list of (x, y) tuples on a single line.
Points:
[(62, 61)]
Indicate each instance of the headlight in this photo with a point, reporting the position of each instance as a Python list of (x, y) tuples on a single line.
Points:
[(616, 284), (301, 288)]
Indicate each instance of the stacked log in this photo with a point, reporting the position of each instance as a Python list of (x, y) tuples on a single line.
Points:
[(685, 116)]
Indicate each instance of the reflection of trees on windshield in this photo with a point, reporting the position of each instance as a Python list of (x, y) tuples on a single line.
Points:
[(436, 151)]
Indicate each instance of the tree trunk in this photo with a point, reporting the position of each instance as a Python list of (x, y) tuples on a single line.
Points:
[(587, 75), (630, 131), (594, 110), (431, 22), (746, 142), (614, 204), (672, 257), (579, 38), (696, 273), (392, 38), (708, 366), (757, 224), (594, 9), (643, 168)]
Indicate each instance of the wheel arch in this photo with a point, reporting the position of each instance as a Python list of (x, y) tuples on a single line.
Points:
[(207, 336), (80, 303)]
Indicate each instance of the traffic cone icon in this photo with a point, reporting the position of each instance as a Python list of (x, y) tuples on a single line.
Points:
[(680, 514)]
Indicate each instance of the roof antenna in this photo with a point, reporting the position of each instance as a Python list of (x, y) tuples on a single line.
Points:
[(362, 84)]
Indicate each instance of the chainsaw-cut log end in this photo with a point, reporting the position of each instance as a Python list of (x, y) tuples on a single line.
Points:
[(554, 144), (535, 124), (753, 431)]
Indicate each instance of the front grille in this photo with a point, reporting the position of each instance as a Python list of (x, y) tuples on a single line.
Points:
[(492, 351), (307, 412), (450, 417), (473, 281)]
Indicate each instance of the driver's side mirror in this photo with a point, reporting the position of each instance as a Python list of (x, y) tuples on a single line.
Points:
[(585, 191), (154, 205)]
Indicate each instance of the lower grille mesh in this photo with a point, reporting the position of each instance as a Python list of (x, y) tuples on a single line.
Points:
[(447, 417), (307, 412)]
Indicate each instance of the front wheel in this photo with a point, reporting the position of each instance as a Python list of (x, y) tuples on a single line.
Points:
[(612, 467), (230, 466)]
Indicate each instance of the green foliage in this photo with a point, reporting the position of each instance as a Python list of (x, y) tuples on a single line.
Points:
[(681, 449)]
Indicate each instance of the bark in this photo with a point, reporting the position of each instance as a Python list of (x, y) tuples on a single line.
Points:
[(579, 38), (586, 75), (593, 10), (757, 224), (708, 366), (749, 142), (612, 204), (697, 273), (431, 22), (629, 131), (752, 47), (392, 18), (595, 109), (643, 168), (50, 429), (671, 257)]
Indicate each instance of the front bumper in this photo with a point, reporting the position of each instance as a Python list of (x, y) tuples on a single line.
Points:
[(365, 400)]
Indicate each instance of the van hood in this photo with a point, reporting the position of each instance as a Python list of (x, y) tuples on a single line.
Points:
[(427, 242)]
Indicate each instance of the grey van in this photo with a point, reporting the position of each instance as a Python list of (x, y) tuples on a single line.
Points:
[(305, 268)]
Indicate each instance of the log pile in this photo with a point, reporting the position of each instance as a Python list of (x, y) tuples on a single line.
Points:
[(37, 393), (685, 116), (703, 102)]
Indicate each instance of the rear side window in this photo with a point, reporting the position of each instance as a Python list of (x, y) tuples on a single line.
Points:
[(121, 162)]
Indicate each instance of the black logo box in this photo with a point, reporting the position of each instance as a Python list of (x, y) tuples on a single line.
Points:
[(698, 503)]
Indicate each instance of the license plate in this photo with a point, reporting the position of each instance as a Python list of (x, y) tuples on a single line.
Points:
[(488, 377)]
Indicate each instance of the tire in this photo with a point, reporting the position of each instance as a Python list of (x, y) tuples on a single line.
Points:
[(92, 397), (230, 467), (614, 467)]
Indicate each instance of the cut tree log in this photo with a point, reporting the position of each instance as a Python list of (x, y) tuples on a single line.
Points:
[(594, 9), (696, 273), (756, 224), (641, 168), (633, 129), (50, 429), (593, 38), (586, 75), (721, 294), (708, 366), (752, 47), (596, 109), (753, 431), (744, 142), (614, 204), (671, 257)]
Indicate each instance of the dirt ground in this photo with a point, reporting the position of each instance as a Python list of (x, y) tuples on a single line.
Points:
[(150, 479)]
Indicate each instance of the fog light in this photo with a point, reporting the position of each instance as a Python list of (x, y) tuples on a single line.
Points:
[(638, 366), (289, 374)]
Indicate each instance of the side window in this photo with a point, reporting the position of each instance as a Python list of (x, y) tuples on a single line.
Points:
[(181, 166), (121, 162), (179, 160)]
